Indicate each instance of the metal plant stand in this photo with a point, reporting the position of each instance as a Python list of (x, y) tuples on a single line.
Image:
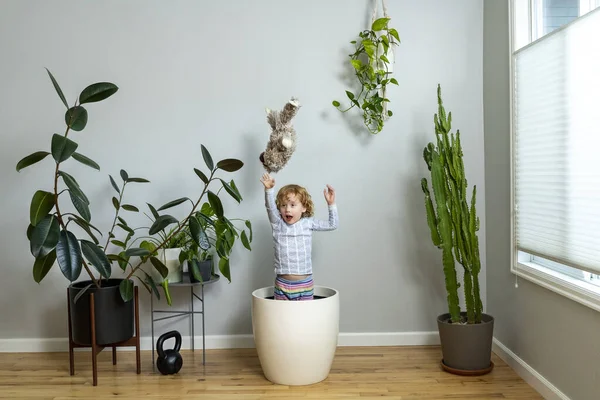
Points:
[(177, 313)]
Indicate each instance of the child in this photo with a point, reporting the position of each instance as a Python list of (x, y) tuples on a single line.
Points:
[(292, 222)]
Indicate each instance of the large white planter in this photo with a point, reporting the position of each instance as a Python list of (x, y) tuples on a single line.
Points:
[(296, 340)]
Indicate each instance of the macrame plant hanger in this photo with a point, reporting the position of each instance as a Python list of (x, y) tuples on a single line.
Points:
[(390, 55)]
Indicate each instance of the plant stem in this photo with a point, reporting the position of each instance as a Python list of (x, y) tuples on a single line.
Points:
[(180, 225), (116, 215), (59, 215)]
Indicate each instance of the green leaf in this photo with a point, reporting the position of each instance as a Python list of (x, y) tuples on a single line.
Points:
[(148, 246), (144, 284), (97, 92), (138, 180), (165, 286), (114, 184), (160, 267), (245, 241), (173, 203), (394, 81), (357, 64), (86, 227), (394, 33), (207, 210), (69, 255), (45, 236), (201, 175), (249, 225), (123, 260), (194, 268), (384, 58), (379, 24), (390, 113), (42, 265), (41, 204), (58, 89), (224, 268), (126, 290), (81, 206), (73, 186), (230, 164), (118, 243), (207, 158), (96, 256), (369, 47), (124, 175), (29, 231), (230, 190), (161, 223), (350, 95), (85, 160), (215, 203), (152, 284), (31, 159), (335, 103), (76, 118), (206, 218), (130, 207), (235, 189), (153, 211), (115, 203), (136, 252), (62, 147), (199, 234)]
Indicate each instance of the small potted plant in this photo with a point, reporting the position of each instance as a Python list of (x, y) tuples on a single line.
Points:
[(466, 337), (372, 69)]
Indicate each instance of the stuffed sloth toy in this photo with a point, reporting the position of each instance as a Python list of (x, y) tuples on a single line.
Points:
[(282, 141)]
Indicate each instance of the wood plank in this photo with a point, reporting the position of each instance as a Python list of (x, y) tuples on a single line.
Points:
[(406, 373)]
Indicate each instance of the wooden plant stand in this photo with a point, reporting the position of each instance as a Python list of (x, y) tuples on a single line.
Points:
[(133, 341)]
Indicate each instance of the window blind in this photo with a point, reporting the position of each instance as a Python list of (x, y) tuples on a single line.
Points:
[(556, 145)]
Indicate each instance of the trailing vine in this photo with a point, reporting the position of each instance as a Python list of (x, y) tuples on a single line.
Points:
[(371, 67)]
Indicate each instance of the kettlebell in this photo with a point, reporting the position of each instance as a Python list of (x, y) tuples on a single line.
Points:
[(169, 361)]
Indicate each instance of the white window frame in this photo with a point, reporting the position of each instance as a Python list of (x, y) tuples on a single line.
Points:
[(548, 274)]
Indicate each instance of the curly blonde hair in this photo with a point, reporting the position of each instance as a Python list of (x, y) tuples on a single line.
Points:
[(302, 195)]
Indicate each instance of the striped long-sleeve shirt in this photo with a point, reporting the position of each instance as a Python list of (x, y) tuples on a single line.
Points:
[(293, 243)]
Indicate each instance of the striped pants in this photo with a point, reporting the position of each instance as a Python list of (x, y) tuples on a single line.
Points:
[(293, 290)]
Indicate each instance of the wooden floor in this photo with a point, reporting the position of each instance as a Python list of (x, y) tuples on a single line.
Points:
[(357, 372)]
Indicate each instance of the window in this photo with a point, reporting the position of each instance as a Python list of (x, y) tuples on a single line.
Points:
[(555, 166)]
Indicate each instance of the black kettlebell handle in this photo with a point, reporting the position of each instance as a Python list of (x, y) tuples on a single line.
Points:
[(168, 335)]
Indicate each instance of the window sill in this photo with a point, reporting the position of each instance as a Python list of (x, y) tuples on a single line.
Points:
[(571, 288)]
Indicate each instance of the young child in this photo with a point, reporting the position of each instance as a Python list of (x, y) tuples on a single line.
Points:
[(292, 222)]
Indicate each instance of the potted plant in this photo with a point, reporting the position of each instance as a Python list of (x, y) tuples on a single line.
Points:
[(372, 68), (54, 236), (466, 337)]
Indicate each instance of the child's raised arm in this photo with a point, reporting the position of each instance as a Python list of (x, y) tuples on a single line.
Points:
[(332, 223), (272, 211)]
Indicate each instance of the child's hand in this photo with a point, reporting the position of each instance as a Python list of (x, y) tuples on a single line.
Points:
[(267, 181), (329, 195)]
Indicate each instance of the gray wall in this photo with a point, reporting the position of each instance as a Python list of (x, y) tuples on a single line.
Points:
[(193, 72), (556, 336)]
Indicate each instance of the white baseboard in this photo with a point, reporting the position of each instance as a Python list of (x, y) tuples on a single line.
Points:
[(529, 375), (230, 341)]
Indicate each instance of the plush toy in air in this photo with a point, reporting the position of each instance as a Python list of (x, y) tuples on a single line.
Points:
[(282, 141)]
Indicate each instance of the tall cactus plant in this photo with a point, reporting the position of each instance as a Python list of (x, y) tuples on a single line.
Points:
[(453, 223)]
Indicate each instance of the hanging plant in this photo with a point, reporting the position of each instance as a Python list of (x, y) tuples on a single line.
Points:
[(372, 66)]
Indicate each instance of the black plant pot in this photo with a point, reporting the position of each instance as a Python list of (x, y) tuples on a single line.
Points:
[(205, 268), (466, 348), (114, 317)]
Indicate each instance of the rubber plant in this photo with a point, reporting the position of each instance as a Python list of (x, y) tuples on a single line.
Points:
[(371, 68), (453, 222), (52, 239)]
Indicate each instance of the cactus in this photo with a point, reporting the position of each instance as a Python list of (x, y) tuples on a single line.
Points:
[(453, 223)]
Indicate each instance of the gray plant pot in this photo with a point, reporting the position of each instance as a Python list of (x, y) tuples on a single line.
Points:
[(205, 271), (466, 347)]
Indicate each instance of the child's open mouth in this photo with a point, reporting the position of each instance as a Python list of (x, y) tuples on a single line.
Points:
[(288, 218)]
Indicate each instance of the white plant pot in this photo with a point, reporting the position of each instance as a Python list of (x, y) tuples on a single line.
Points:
[(169, 257), (296, 340)]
